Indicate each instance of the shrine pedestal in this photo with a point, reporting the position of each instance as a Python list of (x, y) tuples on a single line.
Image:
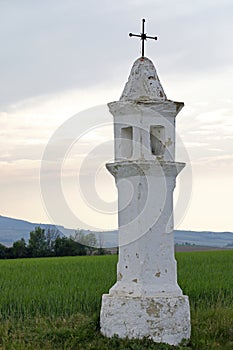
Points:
[(165, 319)]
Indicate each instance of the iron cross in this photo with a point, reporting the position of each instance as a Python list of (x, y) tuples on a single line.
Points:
[(143, 36)]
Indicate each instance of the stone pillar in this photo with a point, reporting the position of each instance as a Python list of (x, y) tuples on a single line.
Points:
[(146, 299)]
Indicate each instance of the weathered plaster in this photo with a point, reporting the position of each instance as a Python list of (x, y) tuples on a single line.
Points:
[(143, 83), (164, 319), (146, 299)]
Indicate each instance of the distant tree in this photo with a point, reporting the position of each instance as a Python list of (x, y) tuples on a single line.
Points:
[(9, 253), (91, 240), (37, 244), (79, 236), (66, 246), (19, 249), (2, 251), (101, 249), (88, 239), (51, 235)]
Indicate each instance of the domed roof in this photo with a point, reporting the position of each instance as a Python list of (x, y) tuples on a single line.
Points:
[(143, 83)]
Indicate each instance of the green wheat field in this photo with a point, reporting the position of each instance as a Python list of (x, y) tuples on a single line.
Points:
[(54, 303)]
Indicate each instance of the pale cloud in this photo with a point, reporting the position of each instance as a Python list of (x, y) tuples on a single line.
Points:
[(60, 58), (54, 46), (195, 144)]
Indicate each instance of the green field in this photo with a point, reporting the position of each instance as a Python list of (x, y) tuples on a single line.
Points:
[(54, 303)]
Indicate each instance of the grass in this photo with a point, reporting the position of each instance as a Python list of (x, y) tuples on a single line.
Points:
[(54, 303), (54, 286)]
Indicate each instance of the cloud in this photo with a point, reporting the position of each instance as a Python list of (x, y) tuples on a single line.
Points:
[(59, 58), (51, 47)]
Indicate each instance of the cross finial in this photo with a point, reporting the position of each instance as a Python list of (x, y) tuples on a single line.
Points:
[(143, 36)]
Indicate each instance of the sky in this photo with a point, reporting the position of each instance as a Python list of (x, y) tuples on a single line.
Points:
[(61, 62)]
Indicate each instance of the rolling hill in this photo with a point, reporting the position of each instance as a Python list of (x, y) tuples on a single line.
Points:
[(13, 229)]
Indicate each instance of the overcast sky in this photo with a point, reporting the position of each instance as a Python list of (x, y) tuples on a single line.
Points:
[(59, 58)]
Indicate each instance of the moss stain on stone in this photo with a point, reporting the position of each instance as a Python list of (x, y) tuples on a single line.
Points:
[(154, 309)]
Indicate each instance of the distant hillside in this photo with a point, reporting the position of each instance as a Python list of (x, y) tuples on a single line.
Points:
[(208, 239), (205, 238), (14, 229)]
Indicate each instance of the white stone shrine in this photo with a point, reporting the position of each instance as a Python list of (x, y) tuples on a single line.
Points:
[(146, 299)]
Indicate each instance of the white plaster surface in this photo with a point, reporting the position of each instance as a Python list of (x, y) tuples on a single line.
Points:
[(164, 319), (141, 116), (146, 299), (143, 83)]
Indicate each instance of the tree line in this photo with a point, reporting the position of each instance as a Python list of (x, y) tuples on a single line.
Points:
[(49, 243)]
